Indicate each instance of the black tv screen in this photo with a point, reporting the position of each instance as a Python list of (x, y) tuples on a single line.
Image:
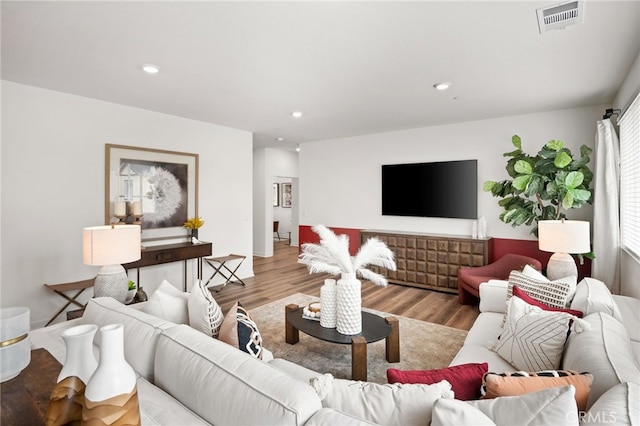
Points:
[(439, 189)]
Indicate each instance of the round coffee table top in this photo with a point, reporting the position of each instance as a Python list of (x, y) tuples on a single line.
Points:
[(374, 328)]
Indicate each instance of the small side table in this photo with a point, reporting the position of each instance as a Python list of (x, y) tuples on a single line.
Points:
[(60, 289), (219, 263)]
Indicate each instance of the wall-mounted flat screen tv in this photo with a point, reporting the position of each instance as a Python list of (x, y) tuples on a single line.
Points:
[(440, 189)]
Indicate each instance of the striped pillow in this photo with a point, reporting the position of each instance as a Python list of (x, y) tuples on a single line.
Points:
[(205, 314), (552, 293)]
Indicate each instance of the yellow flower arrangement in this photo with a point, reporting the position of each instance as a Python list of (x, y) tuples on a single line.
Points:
[(194, 223)]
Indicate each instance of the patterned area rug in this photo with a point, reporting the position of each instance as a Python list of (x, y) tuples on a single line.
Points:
[(423, 345)]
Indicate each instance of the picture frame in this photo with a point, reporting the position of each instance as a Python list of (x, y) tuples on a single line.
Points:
[(276, 195), (164, 183), (286, 196)]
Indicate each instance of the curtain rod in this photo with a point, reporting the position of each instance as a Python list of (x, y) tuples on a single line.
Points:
[(610, 112)]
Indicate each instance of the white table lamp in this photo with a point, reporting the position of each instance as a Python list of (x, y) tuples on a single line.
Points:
[(562, 237), (109, 246)]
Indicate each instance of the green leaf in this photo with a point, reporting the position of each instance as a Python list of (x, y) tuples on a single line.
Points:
[(534, 186), (521, 182), (489, 185), (555, 145), (523, 167), (567, 201), (581, 195), (562, 160), (552, 189), (573, 180), (516, 141), (515, 153)]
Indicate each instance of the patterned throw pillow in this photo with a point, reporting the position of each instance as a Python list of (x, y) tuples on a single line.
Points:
[(205, 314), (530, 300), (520, 382), (533, 339), (551, 293), (239, 330)]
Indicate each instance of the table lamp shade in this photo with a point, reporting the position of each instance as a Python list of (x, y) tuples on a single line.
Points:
[(110, 245), (563, 237)]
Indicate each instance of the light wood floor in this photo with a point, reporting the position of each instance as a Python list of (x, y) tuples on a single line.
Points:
[(280, 276)]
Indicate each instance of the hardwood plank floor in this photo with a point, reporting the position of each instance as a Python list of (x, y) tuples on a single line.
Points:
[(280, 276)]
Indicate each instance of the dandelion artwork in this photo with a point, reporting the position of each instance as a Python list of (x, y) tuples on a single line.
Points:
[(332, 256), (162, 188)]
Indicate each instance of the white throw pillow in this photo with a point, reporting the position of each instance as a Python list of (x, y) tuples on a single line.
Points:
[(533, 339), (593, 295), (557, 294), (398, 404), (205, 314), (553, 406), (620, 405), (169, 303)]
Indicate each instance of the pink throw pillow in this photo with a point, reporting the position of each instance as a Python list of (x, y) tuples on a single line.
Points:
[(531, 301), (465, 379)]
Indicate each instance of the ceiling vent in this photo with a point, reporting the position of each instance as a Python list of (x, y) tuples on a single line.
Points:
[(561, 16)]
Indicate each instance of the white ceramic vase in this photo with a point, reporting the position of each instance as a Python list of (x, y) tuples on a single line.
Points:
[(111, 396), (349, 305), (328, 305), (67, 397)]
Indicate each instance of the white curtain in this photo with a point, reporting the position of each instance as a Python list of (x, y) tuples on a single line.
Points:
[(606, 217)]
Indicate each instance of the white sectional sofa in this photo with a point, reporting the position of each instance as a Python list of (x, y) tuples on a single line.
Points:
[(609, 349), (189, 378)]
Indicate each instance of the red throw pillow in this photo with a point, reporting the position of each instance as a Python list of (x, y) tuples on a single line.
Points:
[(531, 301), (465, 379)]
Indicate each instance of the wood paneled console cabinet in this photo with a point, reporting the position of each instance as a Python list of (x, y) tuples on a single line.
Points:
[(429, 261)]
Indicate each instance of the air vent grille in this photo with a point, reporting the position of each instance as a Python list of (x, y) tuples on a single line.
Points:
[(560, 16)]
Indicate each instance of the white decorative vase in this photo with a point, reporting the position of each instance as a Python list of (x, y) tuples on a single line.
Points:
[(349, 304), (111, 396), (328, 306), (66, 400)]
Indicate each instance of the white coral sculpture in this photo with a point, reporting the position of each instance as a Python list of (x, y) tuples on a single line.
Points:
[(332, 256)]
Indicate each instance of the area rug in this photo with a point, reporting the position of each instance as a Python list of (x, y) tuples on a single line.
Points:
[(423, 345)]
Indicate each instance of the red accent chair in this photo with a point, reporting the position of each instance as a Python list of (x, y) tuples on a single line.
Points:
[(469, 279)]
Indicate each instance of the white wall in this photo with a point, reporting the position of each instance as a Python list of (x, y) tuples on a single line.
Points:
[(268, 164), (53, 186), (340, 179)]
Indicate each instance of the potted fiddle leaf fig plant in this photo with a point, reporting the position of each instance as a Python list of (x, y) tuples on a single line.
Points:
[(542, 186)]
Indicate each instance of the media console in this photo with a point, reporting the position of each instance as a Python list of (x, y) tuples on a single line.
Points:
[(428, 260)]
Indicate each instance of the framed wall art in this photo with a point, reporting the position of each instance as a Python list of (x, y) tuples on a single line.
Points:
[(276, 194), (155, 187), (285, 189)]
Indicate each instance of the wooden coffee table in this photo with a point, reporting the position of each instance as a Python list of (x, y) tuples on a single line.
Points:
[(25, 398), (374, 328)]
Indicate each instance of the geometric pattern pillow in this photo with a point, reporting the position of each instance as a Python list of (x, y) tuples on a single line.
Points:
[(240, 331), (205, 314), (551, 293), (532, 339), (521, 382)]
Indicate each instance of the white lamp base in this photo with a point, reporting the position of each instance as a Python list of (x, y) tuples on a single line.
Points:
[(111, 281), (561, 265)]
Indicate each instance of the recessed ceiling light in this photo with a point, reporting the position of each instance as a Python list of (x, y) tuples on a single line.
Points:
[(279, 139), (150, 69), (297, 149), (296, 114), (442, 86)]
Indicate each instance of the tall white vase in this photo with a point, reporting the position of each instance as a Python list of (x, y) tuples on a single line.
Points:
[(66, 400), (111, 396), (349, 304), (328, 305)]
